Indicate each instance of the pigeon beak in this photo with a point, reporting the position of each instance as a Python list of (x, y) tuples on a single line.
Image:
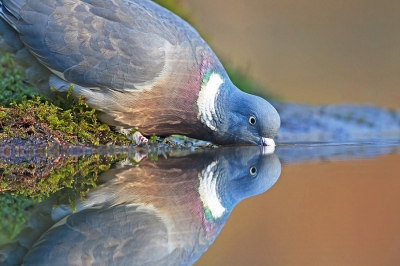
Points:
[(265, 150), (267, 142)]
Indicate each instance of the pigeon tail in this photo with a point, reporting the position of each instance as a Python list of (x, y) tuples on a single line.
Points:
[(10, 11)]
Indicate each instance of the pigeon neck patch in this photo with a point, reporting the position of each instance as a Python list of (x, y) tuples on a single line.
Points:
[(208, 192), (207, 98)]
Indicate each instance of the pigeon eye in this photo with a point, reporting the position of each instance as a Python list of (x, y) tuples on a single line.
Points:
[(252, 120), (253, 170)]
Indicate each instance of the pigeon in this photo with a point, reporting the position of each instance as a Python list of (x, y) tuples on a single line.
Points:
[(166, 212), (141, 67)]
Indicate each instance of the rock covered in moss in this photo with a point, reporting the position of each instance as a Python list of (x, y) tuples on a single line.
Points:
[(336, 123)]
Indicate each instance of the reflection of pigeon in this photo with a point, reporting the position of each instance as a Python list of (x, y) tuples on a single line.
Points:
[(158, 213), (136, 63)]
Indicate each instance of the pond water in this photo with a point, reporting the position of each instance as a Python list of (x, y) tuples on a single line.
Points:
[(341, 211), (302, 204)]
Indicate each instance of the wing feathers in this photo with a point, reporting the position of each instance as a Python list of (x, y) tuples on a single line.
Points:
[(116, 44), (44, 7)]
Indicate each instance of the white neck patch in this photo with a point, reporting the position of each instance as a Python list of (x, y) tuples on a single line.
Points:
[(206, 101), (208, 191)]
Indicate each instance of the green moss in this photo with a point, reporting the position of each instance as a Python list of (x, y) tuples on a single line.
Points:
[(15, 210), (153, 139), (40, 180), (13, 88), (76, 124)]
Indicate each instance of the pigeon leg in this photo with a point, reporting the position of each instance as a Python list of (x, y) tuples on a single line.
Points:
[(139, 138)]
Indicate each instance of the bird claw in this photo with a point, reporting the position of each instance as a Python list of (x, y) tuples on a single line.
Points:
[(139, 138)]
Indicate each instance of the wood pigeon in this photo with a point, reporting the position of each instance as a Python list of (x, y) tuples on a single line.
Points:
[(140, 66), (166, 212)]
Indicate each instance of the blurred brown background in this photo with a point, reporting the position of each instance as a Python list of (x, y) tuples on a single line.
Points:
[(313, 51)]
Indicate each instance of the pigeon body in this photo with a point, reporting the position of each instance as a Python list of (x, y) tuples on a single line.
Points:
[(139, 65)]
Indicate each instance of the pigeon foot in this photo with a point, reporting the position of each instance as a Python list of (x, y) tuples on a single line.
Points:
[(139, 138)]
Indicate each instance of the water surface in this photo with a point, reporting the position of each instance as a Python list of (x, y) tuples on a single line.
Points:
[(340, 209), (305, 204)]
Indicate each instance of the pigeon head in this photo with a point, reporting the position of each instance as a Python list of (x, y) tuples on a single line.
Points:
[(236, 173), (233, 116), (250, 173)]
